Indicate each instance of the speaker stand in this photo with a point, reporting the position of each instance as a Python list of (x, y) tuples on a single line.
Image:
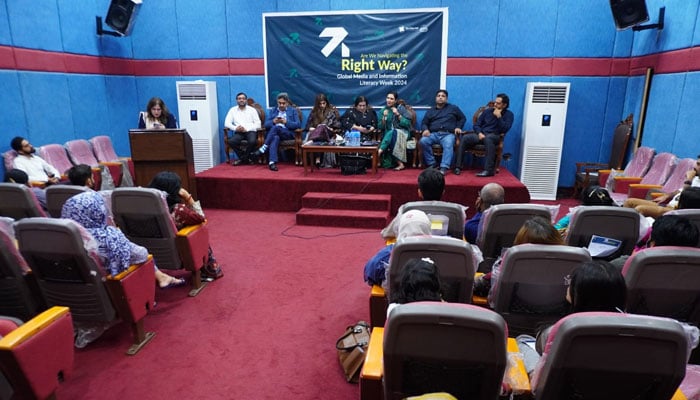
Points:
[(659, 25), (100, 31)]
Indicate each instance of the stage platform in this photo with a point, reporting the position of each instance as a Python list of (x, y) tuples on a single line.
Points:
[(256, 188)]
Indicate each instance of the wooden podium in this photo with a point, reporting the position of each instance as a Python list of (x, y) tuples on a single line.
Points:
[(153, 151)]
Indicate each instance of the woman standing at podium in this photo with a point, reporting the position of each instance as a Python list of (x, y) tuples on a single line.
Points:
[(156, 116)]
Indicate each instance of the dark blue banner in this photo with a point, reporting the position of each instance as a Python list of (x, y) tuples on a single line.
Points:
[(350, 53)]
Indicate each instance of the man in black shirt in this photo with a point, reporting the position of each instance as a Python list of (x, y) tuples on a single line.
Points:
[(439, 125)]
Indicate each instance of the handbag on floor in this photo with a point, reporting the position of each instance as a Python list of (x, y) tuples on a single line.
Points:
[(352, 347)]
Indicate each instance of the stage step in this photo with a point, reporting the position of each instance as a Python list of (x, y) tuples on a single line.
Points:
[(343, 218), (351, 210), (347, 201)]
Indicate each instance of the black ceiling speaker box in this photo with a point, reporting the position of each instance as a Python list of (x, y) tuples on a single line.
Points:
[(629, 13), (121, 15)]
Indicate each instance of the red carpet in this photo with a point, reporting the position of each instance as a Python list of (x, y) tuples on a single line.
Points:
[(257, 188), (266, 330)]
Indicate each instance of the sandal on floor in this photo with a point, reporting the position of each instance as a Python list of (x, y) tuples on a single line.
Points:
[(400, 168), (174, 282)]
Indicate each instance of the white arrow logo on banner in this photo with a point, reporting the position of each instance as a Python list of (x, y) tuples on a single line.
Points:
[(337, 35)]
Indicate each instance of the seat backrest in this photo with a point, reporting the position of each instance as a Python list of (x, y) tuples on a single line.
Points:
[(600, 355), (453, 211), (452, 257), (660, 169), (443, 347), (142, 214), (9, 159), (531, 288), (16, 297), (607, 221), (103, 148), (80, 152), (640, 163), (66, 273), (56, 155), (259, 109), (18, 201), (621, 139), (692, 214), (664, 281), (56, 196), (678, 176), (500, 224)]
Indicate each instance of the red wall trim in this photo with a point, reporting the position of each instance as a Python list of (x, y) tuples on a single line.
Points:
[(16, 58)]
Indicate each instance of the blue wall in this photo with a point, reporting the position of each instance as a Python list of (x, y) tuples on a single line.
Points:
[(54, 107)]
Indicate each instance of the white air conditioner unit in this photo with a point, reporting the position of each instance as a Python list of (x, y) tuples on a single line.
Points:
[(543, 137), (198, 113)]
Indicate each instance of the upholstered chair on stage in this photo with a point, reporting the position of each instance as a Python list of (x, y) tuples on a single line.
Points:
[(453, 258), (17, 201), (142, 214), (436, 347), (531, 288), (19, 296), (453, 211), (69, 275), (36, 356), (607, 221), (601, 355)]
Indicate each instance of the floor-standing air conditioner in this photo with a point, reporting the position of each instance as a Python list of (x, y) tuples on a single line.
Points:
[(196, 102), (542, 137)]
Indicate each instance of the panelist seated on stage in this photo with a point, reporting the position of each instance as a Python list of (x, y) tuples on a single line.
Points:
[(280, 123), (362, 118), (243, 120), (439, 126), (323, 122), (36, 168), (156, 116)]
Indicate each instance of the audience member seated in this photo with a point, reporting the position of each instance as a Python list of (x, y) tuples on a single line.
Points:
[(536, 230), (592, 196), (491, 194), (21, 177), (412, 223), (594, 286), (655, 208), (115, 250), (395, 122), (361, 118), (667, 230), (419, 281), (36, 168), (431, 186), (185, 211), (156, 116)]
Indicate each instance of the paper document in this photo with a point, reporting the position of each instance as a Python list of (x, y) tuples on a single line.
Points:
[(602, 247)]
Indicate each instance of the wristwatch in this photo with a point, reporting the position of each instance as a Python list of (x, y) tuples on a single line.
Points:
[(687, 182)]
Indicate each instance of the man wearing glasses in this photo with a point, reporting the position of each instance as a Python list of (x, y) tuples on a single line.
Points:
[(36, 168), (280, 123), (487, 130)]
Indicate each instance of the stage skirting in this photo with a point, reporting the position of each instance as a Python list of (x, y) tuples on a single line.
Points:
[(256, 188)]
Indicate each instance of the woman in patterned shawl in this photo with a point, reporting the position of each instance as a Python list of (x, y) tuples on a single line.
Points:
[(115, 250)]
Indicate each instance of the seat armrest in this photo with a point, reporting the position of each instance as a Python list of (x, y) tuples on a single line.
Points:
[(622, 183), (193, 246), (516, 373), (133, 291), (373, 368), (378, 304), (603, 175), (33, 326), (640, 190)]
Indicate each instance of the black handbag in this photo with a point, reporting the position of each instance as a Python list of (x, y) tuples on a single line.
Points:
[(354, 164)]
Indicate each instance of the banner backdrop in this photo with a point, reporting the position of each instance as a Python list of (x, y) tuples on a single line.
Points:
[(349, 53)]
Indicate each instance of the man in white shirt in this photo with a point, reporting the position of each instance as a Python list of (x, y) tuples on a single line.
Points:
[(36, 168), (244, 122)]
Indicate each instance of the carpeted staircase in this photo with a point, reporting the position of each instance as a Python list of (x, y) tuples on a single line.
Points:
[(365, 211)]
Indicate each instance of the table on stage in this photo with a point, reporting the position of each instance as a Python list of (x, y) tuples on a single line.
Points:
[(308, 149)]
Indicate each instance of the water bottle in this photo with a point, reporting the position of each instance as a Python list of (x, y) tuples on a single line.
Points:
[(346, 136)]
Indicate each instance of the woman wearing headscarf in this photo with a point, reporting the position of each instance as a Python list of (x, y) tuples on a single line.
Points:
[(114, 249)]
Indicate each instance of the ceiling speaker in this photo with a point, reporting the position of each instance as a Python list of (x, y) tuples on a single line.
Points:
[(628, 13), (121, 15)]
